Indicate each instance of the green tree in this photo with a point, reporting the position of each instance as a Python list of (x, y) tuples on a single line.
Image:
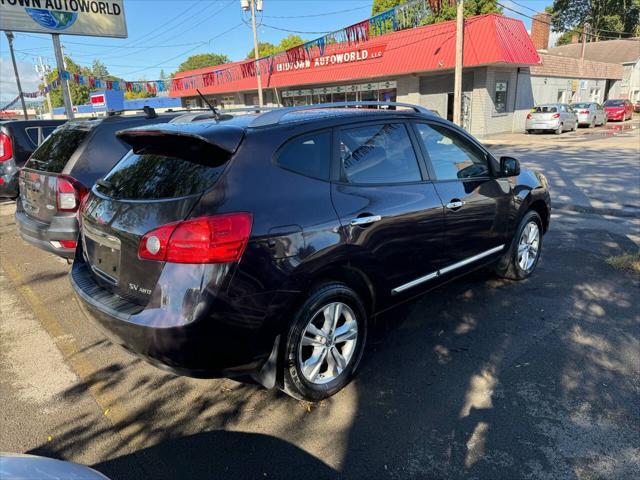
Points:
[(607, 18), (134, 95), (267, 48), (380, 6), (447, 12), (202, 60)]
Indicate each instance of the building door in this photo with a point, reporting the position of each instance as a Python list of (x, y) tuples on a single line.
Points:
[(450, 107), (466, 109)]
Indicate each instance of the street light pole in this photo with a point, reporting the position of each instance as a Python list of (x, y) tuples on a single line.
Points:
[(15, 71), (255, 49), (457, 82)]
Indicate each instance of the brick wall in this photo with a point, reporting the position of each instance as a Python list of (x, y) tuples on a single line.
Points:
[(540, 30)]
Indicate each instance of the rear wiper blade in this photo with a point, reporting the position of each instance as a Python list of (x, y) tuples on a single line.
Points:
[(106, 184)]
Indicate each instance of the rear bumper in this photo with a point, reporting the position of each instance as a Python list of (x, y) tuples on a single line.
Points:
[(42, 234), (542, 125), (196, 332), (585, 119), (616, 116)]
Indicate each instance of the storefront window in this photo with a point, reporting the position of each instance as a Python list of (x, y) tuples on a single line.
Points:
[(501, 97)]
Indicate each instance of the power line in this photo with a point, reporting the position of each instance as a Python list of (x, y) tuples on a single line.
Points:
[(185, 52), (295, 31), (318, 14)]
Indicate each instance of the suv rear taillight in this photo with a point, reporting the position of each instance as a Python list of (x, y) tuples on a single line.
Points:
[(6, 148), (530, 116), (211, 239), (69, 193), (584, 112), (555, 115)]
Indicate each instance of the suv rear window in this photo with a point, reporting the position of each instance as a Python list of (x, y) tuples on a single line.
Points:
[(152, 175), (55, 151)]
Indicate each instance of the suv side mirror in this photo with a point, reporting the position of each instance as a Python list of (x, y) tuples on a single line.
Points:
[(509, 167)]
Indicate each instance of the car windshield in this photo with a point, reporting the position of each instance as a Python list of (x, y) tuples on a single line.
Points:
[(546, 109), (581, 105), (614, 103)]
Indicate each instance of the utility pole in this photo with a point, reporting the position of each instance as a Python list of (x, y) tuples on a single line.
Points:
[(66, 96), (585, 32), (254, 5), (43, 70), (457, 82), (15, 71)]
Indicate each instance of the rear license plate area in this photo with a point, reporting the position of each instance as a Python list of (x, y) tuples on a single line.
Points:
[(102, 252)]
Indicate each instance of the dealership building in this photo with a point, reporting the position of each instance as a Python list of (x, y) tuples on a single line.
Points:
[(500, 82)]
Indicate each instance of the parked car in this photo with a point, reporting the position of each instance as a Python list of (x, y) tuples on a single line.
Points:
[(18, 140), (19, 466), (264, 245), (591, 114), (60, 173), (618, 109), (636, 107), (558, 117)]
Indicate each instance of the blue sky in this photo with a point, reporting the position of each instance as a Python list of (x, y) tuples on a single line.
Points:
[(168, 31)]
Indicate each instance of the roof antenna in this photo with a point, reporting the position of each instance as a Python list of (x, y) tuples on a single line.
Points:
[(216, 114)]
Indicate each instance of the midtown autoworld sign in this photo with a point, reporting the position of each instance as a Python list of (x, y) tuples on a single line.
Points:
[(70, 17)]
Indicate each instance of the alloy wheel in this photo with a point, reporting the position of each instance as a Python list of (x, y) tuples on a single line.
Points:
[(528, 246), (328, 343)]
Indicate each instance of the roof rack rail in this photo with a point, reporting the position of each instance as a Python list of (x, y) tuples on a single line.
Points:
[(273, 117)]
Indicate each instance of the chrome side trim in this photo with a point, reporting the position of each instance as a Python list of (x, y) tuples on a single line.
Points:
[(469, 260), (415, 282), (448, 269)]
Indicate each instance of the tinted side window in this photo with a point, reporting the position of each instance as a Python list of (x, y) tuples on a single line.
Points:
[(308, 155), (32, 133), (452, 157), (378, 154), (55, 151)]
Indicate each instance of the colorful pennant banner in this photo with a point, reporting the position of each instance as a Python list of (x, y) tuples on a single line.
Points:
[(407, 15)]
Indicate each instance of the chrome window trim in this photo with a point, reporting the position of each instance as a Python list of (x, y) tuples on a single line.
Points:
[(448, 269)]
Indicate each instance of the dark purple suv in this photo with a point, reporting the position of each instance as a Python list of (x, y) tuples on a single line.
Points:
[(265, 244)]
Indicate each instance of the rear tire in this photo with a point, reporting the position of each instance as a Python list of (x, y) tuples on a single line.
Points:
[(520, 260), (593, 123), (529, 132), (558, 131), (336, 342)]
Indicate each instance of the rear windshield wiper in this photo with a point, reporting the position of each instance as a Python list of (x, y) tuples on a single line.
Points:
[(106, 184)]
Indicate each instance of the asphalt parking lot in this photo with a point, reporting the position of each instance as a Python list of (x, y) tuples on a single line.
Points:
[(482, 378)]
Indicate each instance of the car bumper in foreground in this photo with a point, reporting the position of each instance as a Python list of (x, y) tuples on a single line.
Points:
[(48, 236)]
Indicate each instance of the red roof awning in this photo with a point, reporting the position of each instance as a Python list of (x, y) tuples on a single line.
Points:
[(488, 39)]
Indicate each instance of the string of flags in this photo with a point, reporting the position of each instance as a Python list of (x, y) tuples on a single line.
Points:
[(10, 104), (401, 17)]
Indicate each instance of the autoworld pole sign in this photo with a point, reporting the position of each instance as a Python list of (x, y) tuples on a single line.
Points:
[(69, 17)]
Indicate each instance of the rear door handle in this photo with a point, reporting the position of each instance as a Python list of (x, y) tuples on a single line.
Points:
[(360, 221), (455, 204)]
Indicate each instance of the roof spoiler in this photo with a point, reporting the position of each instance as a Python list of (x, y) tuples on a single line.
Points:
[(180, 139)]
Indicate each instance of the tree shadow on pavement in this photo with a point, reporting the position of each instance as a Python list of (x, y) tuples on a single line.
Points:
[(481, 378)]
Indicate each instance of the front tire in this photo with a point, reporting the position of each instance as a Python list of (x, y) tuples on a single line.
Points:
[(325, 342), (521, 259)]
